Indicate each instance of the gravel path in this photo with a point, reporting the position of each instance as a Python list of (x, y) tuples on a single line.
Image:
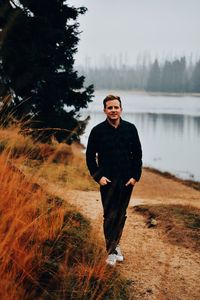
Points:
[(156, 268)]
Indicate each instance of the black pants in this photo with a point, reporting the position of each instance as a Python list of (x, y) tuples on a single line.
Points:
[(115, 198)]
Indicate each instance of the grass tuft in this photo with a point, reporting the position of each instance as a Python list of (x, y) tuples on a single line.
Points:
[(180, 224)]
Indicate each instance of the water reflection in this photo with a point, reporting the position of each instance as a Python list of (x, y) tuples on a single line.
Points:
[(181, 125), (171, 142)]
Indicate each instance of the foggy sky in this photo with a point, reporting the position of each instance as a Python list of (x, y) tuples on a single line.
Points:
[(124, 29)]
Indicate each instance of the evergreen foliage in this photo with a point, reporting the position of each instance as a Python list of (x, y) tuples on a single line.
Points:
[(173, 76), (169, 76), (38, 42), (153, 82), (195, 79)]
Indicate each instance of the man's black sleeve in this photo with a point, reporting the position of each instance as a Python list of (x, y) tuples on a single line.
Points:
[(91, 159), (137, 169)]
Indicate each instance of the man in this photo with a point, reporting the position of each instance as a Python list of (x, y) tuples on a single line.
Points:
[(114, 159)]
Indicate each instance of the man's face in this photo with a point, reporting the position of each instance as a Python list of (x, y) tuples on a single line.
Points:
[(113, 110)]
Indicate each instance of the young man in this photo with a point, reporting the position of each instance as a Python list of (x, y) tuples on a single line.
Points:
[(114, 159)]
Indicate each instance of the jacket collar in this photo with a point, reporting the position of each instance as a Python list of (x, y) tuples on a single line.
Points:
[(109, 125)]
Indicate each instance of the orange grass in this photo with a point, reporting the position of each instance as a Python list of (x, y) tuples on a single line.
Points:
[(25, 223), (46, 248), (73, 174)]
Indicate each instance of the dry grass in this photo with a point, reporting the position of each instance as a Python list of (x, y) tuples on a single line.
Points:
[(18, 145), (191, 183), (46, 248), (57, 163), (26, 222), (72, 174), (180, 224)]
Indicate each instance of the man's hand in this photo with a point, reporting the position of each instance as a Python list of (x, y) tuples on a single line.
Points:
[(131, 181), (104, 180)]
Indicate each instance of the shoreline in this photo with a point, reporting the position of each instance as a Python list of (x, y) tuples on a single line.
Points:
[(188, 182), (191, 183)]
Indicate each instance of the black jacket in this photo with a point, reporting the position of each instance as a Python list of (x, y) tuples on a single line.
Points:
[(114, 152)]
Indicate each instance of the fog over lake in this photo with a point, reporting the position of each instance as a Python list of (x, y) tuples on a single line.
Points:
[(168, 126)]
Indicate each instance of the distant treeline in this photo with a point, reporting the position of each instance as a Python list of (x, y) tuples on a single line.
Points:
[(175, 76)]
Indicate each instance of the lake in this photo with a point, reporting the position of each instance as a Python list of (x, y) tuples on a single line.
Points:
[(168, 126)]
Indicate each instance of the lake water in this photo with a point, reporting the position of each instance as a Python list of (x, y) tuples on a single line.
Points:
[(168, 126)]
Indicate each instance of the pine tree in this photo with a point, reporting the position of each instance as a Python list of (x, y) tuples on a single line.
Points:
[(38, 42), (178, 75), (195, 79), (153, 82), (166, 77)]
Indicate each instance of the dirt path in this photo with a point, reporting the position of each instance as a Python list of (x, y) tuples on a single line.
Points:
[(156, 269)]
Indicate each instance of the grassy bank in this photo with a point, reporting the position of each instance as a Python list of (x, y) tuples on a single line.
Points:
[(180, 224), (47, 248), (193, 184)]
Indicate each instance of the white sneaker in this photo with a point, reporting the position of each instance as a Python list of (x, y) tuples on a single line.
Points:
[(119, 256), (111, 259)]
